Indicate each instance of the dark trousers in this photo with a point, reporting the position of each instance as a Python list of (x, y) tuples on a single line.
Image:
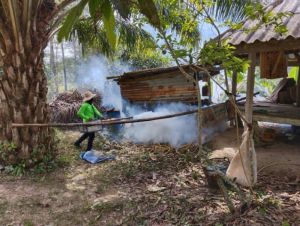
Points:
[(90, 136)]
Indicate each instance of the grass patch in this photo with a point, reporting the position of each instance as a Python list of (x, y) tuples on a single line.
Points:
[(28, 222)]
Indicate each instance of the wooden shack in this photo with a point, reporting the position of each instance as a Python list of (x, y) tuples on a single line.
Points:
[(152, 87), (160, 85), (273, 53)]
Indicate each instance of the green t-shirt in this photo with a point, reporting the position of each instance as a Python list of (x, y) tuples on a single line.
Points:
[(88, 112)]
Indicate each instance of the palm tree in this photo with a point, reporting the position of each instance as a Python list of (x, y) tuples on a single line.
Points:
[(234, 10), (93, 35), (25, 29)]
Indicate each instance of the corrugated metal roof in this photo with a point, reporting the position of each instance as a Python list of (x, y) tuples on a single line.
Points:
[(154, 71), (265, 34), (158, 71)]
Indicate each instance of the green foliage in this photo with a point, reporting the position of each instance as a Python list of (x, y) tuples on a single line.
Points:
[(71, 19), (109, 22), (28, 222), (123, 7), (95, 8), (294, 72), (7, 149), (181, 20), (99, 10), (285, 223), (36, 163), (233, 10), (148, 8), (130, 37), (223, 54), (265, 18), (146, 58)]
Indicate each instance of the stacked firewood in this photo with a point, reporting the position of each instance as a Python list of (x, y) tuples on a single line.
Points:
[(65, 106)]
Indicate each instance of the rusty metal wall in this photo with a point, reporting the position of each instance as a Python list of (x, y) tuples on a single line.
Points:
[(171, 87)]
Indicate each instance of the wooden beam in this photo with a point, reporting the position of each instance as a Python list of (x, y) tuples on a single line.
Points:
[(289, 44), (250, 88), (276, 119)]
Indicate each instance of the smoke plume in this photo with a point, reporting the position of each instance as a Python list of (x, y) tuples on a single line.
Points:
[(175, 131), (93, 73)]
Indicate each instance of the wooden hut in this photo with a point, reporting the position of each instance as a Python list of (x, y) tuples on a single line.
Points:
[(273, 53), (152, 87), (161, 85)]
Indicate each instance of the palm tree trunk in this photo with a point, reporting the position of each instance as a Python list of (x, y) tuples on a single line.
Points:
[(23, 92), (24, 33)]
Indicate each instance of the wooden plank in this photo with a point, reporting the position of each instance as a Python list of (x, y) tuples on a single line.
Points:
[(276, 113), (276, 119)]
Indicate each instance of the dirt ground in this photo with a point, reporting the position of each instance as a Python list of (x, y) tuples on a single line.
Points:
[(279, 155), (150, 185)]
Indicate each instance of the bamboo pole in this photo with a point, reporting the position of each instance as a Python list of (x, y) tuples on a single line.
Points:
[(108, 122), (103, 122)]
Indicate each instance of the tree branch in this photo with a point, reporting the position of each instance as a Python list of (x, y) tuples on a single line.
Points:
[(60, 7), (212, 22), (186, 75), (63, 4)]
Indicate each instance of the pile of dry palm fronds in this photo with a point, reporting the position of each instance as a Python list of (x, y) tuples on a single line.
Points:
[(65, 106)]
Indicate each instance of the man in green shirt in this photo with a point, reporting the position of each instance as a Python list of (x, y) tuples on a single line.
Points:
[(88, 112)]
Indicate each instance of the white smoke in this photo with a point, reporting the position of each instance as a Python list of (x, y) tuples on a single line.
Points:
[(93, 73), (176, 131)]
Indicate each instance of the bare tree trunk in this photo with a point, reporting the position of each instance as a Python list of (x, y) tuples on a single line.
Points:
[(75, 50), (53, 65), (56, 60), (82, 50), (64, 66)]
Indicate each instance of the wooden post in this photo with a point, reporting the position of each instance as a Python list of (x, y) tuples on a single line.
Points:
[(200, 116), (298, 82), (298, 89), (234, 83), (209, 90), (250, 88)]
